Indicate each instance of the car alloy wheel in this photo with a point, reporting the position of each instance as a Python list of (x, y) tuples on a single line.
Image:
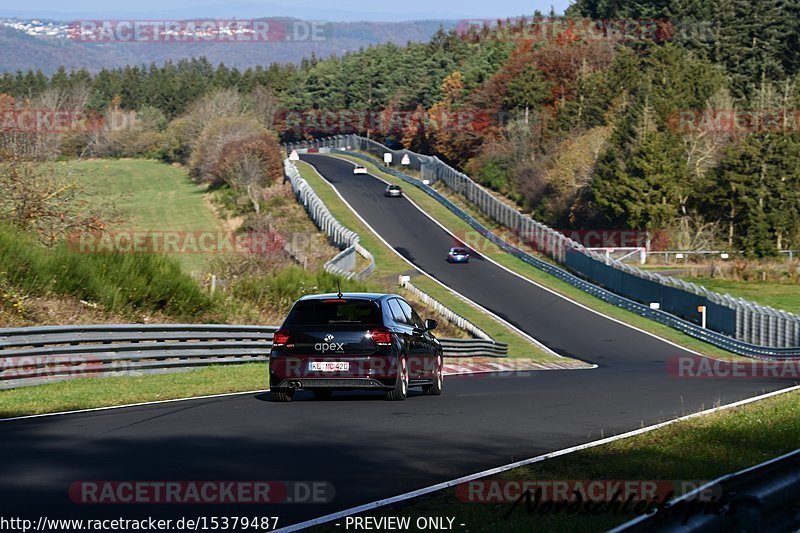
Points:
[(400, 390), (435, 389)]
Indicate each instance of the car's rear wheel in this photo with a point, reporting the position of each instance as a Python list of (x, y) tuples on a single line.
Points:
[(322, 394), (281, 395), (435, 389), (400, 390)]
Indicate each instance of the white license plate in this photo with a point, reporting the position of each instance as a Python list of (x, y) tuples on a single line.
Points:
[(328, 366)]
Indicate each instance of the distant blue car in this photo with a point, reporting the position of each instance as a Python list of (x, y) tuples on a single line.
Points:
[(458, 255)]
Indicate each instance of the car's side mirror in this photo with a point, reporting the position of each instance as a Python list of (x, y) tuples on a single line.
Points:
[(430, 324)]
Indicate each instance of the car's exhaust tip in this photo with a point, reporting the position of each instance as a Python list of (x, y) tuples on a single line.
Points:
[(295, 385)]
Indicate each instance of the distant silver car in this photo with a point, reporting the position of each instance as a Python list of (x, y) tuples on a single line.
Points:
[(393, 191), (358, 169)]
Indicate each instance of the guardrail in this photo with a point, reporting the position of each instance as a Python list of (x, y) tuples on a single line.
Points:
[(451, 316), (765, 325), (36, 355), (765, 497), (345, 261), (473, 348)]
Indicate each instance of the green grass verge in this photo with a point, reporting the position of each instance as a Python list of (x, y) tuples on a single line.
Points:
[(389, 265), (121, 282), (720, 443), (151, 196), (87, 393), (461, 228)]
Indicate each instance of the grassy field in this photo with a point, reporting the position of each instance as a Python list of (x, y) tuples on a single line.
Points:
[(720, 443), (784, 296), (461, 228), (389, 265), (87, 393), (150, 196)]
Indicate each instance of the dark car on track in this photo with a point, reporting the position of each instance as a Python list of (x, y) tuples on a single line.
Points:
[(354, 341), (458, 255)]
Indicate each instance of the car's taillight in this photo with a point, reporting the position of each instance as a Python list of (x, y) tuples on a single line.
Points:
[(280, 338), (381, 336)]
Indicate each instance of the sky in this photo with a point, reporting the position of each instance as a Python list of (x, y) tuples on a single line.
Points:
[(336, 10)]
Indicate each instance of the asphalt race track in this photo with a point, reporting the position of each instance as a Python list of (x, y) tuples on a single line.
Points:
[(365, 447)]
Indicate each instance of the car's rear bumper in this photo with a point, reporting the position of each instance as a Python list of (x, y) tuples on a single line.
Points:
[(364, 371), (331, 383)]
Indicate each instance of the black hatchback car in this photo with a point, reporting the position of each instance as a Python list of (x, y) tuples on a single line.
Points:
[(354, 341)]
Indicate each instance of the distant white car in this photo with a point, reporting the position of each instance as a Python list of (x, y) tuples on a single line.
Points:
[(358, 169), (393, 191)]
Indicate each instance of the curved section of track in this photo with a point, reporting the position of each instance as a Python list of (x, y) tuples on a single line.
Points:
[(562, 326)]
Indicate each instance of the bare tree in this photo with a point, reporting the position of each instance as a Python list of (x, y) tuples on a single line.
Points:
[(262, 105), (208, 148), (251, 164)]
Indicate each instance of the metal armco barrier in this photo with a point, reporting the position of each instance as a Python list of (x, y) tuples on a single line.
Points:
[(765, 497), (345, 261), (450, 315), (758, 331), (473, 348), (37, 355)]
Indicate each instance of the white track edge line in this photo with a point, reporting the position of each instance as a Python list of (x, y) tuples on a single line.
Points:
[(139, 404), (510, 466)]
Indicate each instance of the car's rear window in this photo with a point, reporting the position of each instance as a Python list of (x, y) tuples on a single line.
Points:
[(394, 187), (459, 251), (334, 311)]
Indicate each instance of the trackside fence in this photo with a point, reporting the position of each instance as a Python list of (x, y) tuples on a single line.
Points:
[(733, 324), (344, 263), (37, 355)]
